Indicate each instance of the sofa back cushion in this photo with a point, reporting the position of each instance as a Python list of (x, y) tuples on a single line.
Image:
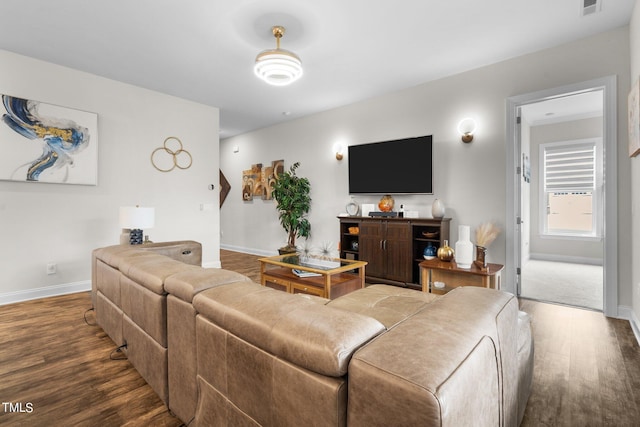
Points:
[(313, 336), (390, 305)]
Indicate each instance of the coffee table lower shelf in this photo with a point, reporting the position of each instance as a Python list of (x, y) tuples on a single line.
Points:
[(330, 286)]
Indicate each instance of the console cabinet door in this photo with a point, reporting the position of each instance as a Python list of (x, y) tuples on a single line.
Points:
[(371, 241), (386, 246), (398, 251)]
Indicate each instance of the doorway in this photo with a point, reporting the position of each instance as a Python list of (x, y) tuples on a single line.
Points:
[(523, 223), (561, 203)]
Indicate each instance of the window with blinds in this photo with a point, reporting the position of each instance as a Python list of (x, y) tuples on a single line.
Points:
[(570, 168), (571, 178)]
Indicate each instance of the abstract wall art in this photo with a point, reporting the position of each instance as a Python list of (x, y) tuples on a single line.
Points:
[(42, 142), (258, 181)]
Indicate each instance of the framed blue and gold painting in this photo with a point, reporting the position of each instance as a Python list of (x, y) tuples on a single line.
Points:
[(42, 142)]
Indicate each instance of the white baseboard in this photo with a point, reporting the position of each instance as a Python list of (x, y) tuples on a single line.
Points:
[(251, 251), (44, 292), (214, 264), (566, 258), (627, 313)]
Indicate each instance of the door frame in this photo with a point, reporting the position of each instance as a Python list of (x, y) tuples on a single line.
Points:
[(610, 266)]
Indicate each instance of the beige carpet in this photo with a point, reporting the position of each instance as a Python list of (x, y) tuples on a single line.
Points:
[(578, 285)]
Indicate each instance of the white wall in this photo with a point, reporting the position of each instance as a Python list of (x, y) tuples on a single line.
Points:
[(62, 224), (635, 170), (469, 178), (588, 251)]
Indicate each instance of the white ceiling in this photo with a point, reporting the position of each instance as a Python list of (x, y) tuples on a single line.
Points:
[(565, 108), (203, 50)]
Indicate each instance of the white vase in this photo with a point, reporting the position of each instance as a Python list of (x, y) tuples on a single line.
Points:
[(464, 248), (437, 209)]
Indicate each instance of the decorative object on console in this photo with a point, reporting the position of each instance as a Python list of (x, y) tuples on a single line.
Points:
[(485, 235), (466, 129), (278, 67), (464, 248), (136, 218), (352, 208), (437, 209), (173, 157), (445, 252), (291, 192), (430, 251), (481, 257), (386, 203)]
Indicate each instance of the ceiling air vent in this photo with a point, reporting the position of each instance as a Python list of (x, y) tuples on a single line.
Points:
[(589, 7)]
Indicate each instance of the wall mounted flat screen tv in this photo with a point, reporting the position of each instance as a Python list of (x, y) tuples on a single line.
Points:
[(403, 166)]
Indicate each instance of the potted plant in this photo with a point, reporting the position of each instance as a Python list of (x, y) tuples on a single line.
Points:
[(291, 193)]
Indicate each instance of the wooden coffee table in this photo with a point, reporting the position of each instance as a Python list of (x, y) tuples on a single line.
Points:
[(330, 278)]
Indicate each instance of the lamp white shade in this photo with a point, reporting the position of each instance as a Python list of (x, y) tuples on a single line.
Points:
[(135, 217)]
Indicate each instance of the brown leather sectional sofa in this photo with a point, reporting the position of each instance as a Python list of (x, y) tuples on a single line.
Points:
[(221, 350)]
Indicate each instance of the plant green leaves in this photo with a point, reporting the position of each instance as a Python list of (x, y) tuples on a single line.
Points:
[(292, 193)]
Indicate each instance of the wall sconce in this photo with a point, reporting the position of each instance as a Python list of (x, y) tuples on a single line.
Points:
[(466, 128), (339, 149)]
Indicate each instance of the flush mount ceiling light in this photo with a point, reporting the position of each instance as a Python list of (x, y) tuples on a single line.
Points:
[(278, 67)]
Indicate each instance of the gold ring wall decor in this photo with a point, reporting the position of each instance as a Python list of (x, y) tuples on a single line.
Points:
[(180, 158)]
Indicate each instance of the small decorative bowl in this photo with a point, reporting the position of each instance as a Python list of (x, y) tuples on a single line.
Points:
[(354, 230), (430, 234)]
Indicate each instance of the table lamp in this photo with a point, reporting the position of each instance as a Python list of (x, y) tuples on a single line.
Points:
[(136, 218)]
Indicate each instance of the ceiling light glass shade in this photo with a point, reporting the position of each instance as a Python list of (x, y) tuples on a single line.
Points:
[(278, 67)]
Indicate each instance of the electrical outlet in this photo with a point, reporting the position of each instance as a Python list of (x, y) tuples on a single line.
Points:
[(52, 268)]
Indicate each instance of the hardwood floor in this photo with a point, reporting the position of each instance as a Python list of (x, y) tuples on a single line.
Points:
[(55, 363), (587, 367)]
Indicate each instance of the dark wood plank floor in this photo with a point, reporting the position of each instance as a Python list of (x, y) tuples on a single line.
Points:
[(587, 367)]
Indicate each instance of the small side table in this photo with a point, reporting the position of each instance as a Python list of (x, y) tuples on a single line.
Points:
[(434, 270)]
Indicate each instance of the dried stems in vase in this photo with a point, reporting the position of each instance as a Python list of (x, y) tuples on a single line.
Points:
[(485, 235)]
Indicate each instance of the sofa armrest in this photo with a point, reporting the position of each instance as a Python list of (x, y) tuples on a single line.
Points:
[(187, 251), (443, 366)]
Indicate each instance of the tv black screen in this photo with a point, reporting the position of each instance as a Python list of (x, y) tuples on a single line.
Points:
[(392, 167)]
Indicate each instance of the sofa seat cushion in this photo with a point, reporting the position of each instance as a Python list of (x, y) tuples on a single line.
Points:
[(151, 270), (314, 336), (389, 305), (186, 284)]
